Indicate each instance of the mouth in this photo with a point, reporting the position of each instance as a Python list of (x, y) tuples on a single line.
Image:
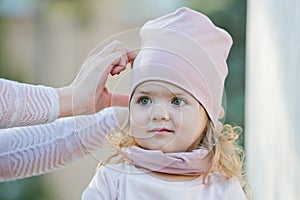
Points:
[(161, 131)]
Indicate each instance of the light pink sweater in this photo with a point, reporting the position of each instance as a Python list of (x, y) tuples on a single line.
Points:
[(24, 104), (33, 150), (127, 182)]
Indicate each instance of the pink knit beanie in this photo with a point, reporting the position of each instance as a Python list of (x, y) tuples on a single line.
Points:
[(186, 49)]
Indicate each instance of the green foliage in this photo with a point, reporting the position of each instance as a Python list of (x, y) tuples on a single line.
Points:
[(230, 15), (25, 189)]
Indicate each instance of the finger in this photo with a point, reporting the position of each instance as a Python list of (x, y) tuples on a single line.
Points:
[(113, 46), (107, 64), (123, 60), (120, 100), (110, 61), (131, 55), (119, 46), (110, 48), (117, 70), (119, 62)]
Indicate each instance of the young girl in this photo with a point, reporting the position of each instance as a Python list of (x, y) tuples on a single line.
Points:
[(174, 145)]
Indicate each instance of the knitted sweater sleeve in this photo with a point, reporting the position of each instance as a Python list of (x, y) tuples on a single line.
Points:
[(33, 150), (24, 104)]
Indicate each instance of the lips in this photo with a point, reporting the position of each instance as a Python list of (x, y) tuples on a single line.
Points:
[(161, 131)]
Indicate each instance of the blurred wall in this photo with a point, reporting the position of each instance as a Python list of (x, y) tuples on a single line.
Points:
[(273, 99)]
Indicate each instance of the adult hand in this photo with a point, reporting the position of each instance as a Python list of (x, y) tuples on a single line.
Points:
[(87, 94)]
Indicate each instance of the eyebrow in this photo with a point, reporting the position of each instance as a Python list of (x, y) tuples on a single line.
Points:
[(178, 94), (151, 92), (144, 92)]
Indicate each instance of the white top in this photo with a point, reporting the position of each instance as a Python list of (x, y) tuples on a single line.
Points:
[(124, 181)]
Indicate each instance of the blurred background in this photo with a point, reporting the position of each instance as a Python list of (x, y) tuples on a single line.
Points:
[(46, 41)]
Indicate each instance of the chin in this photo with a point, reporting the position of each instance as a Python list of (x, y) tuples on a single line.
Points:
[(154, 148)]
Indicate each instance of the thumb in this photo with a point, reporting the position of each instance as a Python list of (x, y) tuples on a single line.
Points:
[(120, 100)]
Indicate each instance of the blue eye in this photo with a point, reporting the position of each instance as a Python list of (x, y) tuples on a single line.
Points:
[(178, 102), (144, 100)]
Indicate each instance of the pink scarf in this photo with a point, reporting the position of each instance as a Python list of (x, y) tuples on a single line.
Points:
[(185, 163)]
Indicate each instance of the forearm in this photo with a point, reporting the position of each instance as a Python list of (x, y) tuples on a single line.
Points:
[(34, 150), (24, 104)]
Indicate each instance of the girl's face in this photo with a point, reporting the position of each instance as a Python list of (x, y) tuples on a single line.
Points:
[(165, 117)]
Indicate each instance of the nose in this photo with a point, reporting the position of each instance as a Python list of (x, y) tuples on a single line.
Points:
[(159, 112)]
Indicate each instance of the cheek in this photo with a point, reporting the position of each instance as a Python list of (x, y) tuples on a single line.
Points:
[(184, 120), (191, 125), (138, 123), (189, 132), (138, 117)]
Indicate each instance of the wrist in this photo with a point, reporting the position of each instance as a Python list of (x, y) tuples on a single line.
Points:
[(65, 101)]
